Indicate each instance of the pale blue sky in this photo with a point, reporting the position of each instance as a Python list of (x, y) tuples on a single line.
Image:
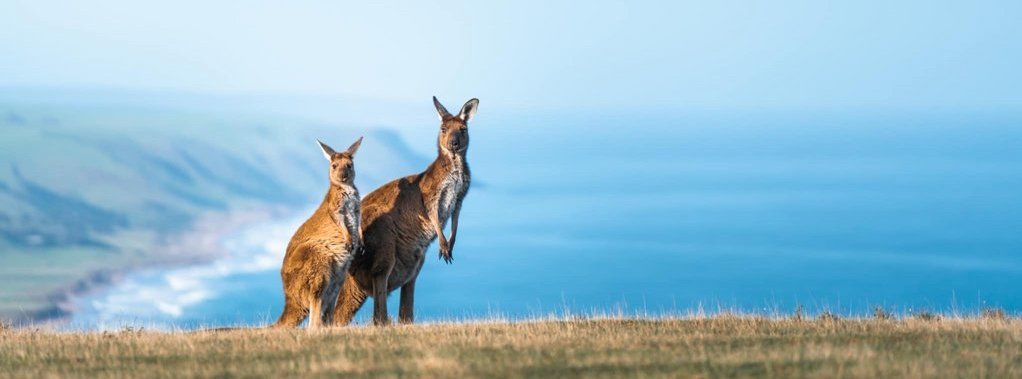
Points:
[(533, 54)]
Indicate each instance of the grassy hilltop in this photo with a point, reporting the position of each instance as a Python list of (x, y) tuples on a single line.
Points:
[(699, 347), (87, 191)]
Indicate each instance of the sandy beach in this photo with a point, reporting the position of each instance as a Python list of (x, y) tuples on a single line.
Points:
[(200, 243)]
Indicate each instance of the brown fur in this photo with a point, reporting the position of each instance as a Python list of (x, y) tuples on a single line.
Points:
[(401, 218), (321, 249)]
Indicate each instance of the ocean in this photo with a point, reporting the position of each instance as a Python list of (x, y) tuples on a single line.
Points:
[(651, 215)]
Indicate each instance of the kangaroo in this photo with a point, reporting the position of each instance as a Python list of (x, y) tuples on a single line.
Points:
[(321, 250), (401, 218)]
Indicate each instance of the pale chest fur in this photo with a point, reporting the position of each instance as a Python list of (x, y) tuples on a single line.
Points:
[(451, 191), (349, 216)]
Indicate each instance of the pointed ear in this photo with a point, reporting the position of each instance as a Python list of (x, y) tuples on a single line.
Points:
[(440, 110), (354, 147), (328, 152), (469, 110)]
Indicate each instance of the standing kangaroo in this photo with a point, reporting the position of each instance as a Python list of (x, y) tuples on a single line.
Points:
[(402, 218), (321, 250)]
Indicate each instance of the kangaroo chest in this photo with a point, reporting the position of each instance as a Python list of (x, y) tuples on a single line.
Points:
[(452, 189), (350, 217)]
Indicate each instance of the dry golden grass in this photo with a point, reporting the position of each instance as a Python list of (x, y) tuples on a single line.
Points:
[(722, 346)]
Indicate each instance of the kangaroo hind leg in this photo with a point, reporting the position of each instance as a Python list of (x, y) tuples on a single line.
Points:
[(328, 299), (315, 314), (351, 299), (405, 313)]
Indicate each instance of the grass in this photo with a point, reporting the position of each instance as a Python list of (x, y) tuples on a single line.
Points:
[(720, 346)]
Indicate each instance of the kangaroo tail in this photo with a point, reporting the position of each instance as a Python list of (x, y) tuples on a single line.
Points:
[(291, 316), (349, 302)]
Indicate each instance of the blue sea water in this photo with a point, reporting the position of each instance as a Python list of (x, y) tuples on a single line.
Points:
[(616, 213)]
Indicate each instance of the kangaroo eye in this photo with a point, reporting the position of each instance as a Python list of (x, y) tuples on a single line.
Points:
[(333, 165)]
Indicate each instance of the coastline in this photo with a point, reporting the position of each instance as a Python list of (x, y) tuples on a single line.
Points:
[(198, 244)]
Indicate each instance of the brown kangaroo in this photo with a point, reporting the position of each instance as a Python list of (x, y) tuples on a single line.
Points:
[(320, 252), (402, 218)]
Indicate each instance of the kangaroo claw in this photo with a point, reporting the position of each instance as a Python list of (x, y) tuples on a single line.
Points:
[(445, 253)]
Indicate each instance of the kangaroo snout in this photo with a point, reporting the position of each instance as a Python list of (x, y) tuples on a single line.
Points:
[(456, 143), (457, 140)]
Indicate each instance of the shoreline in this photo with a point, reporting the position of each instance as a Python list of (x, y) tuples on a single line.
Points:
[(198, 244)]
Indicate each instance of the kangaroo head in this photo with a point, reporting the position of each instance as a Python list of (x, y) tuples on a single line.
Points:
[(342, 164), (453, 137)]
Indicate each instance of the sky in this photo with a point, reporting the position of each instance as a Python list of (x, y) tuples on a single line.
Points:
[(620, 55)]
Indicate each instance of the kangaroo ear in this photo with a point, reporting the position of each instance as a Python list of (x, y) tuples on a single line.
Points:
[(469, 110), (328, 152), (354, 147), (440, 110)]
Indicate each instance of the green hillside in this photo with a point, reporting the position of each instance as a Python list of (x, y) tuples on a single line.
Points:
[(88, 191)]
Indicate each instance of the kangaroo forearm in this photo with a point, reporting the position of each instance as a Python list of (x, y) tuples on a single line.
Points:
[(437, 226), (454, 231), (439, 232), (454, 223)]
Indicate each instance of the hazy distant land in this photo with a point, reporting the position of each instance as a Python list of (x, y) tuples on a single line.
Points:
[(87, 192)]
